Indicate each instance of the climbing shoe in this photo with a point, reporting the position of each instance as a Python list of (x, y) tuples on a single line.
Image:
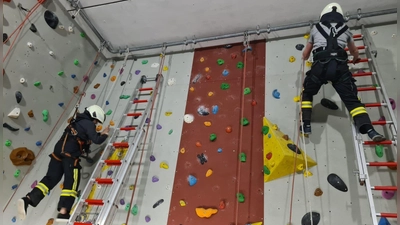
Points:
[(329, 104), (22, 206), (375, 136), (62, 218), (307, 129)]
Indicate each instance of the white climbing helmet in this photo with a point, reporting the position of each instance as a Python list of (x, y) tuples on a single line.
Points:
[(96, 112), (329, 8)]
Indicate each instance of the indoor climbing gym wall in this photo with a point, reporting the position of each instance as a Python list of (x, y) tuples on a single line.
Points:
[(330, 147)]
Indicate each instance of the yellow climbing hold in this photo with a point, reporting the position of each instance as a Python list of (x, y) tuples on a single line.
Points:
[(300, 167), (191, 88), (296, 99), (207, 123), (183, 150), (131, 187), (165, 68), (168, 113), (112, 123), (306, 36), (257, 223), (182, 203), (164, 165), (209, 172), (113, 78), (207, 69), (205, 213), (307, 173), (202, 59), (210, 94), (308, 63), (98, 128), (275, 127), (292, 59)]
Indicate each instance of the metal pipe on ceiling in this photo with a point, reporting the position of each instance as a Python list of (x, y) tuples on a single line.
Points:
[(109, 47)]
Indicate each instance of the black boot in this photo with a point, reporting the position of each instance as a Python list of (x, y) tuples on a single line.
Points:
[(22, 207), (61, 218), (375, 136), (305, 129)]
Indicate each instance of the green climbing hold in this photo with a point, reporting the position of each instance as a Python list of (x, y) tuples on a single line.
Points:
[(37, 83), (379, 151), (265, 130), (239, 65), (76, 62), (213, 137), (220, 61), (145, 61), (245, 122), (240, 197), (45, 114), (242, 157), (224, 86), (266, 170), (83, 34), (17, 173), (127, 207), (247, 91), (60, 73), (109, 112), (376, 85), (135, 210), (124, 96), (170, 132), (7, 143)]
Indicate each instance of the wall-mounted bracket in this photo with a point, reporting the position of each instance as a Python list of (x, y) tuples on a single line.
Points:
[(268, 29), (258, 30), (358, 13)]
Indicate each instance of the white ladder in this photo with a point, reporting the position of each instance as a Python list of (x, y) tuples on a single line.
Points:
[(110, 185), (359, 143)]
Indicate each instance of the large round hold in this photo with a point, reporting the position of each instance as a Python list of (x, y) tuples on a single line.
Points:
[(306, 220), (5, 37), (51, 19)]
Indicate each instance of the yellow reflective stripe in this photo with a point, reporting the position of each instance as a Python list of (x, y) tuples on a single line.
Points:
[(66, 193), (306, 106), (306, 103), (43, 188), (357, 111), (74, 185), (40, 188)]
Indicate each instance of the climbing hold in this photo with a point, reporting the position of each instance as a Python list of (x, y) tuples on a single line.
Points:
[(144, 62), (30, 113), (92, 96), (124, 96), (182, 203), (202, 59), (215, 109), (96, 86), (219, 150), (112, 66), (205, 213), (276, 94), (154, 65), (18, 96), (188, 118), (265, 130), (45, 114), (168, 113), (14, 187), (275, 127), (221, 204), (191, 89), (22, 80), (165, 68), (38, 143), (17, 173), (228, 46), (224, 86), (213, 137), (269, 155), (6, 125), (299, 47), (76, 89), (111, 123), (113, 78), (242, 157), (308, 63), (183, 150), (383, 221), (240, 65), (207, 69), (147, 219), (300, 167), (171, 81), (155, 179), (207, 123), (135, 210), (198, 144), (307, 220), (286, 137), (33, 185), (5, 37), (159, 127), (131, 187), (109, 112), (107, 102), (220, 62), (170, 131), (233, 56), (210, 94), (110, 172), (85, 78), (122, 83), (51, 19), (379, 151), (164, 165), (208, 77), (202, 158), (388, 194), (337, 182), (247, 91), (294, 148), (152, 158), (60, 73), (253, 103), (392, 103), (76, 62), (14, 113), (203, 111), (225, 73), (127, 207), (8, 143), (158, 203), (137, 72), (228, 129), (240, 197), (37, 83), (245, 122), (329, 104), (122, 201), (296, 99), (209, 172), (306, 36), (73, 76), (292, 59), (104, 75), (14, 219), (99, 127), (307, 173), (318, 192)]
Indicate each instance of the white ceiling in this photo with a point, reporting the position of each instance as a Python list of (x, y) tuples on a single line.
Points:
[(145, 22)]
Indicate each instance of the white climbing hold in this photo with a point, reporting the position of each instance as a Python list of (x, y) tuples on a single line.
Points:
[(393, 35), (51, 53), (188, 118), (30, 45), (154, 65), (14, 113), (22, 80), (61, 27), (171, 81), (374, 32), (70, 29)]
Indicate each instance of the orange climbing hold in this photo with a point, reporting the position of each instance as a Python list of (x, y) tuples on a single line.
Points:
[(50, 221), (205, 213), (30, 113), (112, 123), (113, 78), (210, 94), (98, 128), (182, 150), (221, 204), (207, 69), (96, 86), (202, 59), (209, 172), (198, 144), (191, 88), (228, 129), (112, 66), (76, 89), (207, 124)]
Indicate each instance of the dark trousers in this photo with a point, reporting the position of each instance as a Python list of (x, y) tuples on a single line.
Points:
[(344, 84), (59, 166)]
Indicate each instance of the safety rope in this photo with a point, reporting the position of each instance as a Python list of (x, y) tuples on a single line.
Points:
[(88, 73), (147, 129)]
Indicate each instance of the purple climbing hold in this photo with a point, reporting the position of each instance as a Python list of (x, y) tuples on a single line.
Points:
[(122, 201), (137, 72), (159, 127), (33, 185), (135, 99), (147, 219), (121, 71), (109, 173), (147, 120), (152, 158), (85, 78), (155, 179), (382, 118), (93, 96), (388, 194), (392, 103), (360, 71)]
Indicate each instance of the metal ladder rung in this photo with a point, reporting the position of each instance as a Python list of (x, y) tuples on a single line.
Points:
[(358, 47), (97, 202), (113, 162), (139, 101), (363, 74), (361, 60), (391, 164), (104, 180), (378, 104), (82, 223), (121, 144), (133, 114), (387, 142), (384, 188), (387, 215), (372, 88), (383, 122), (127, 128), (146, 89)]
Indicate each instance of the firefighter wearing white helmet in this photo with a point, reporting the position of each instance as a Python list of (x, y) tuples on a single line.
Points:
[(328, 40), (64, 161)]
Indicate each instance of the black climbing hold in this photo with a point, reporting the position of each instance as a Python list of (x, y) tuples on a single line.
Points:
[(5, 37), (329, 104), (51, 19), (306, 220), (294, 148), (158, 203), (299, 47), (18, 96), (202, 158), (122, 83), (228, 46), (337, 182), (143, 79), (6, 125), (33, 28)]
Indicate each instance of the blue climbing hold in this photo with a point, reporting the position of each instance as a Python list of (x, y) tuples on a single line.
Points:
[(276, 94), (219, 150), (107, 102), (61, 104), (27, 128), (73, 76), (104, 75), (225, 72), (95, 63), (269, 135), (192, 180), (14, 219), (383, 221), (14, 187), (215, 109), (38, 143)]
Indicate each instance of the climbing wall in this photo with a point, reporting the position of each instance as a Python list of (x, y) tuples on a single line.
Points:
[(212, 179), (330, 145), (42, 66)]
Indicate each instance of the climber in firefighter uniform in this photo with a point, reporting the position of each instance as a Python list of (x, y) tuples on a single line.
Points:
[(327, 42), (75, 141)]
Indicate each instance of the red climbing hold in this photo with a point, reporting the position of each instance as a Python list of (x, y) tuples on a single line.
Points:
[(269, 155), (253, 103), (208, 77), (221, 204), (233, 56)]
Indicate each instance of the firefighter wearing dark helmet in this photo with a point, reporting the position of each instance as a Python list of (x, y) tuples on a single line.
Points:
[(64, 161), (327, 42)]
